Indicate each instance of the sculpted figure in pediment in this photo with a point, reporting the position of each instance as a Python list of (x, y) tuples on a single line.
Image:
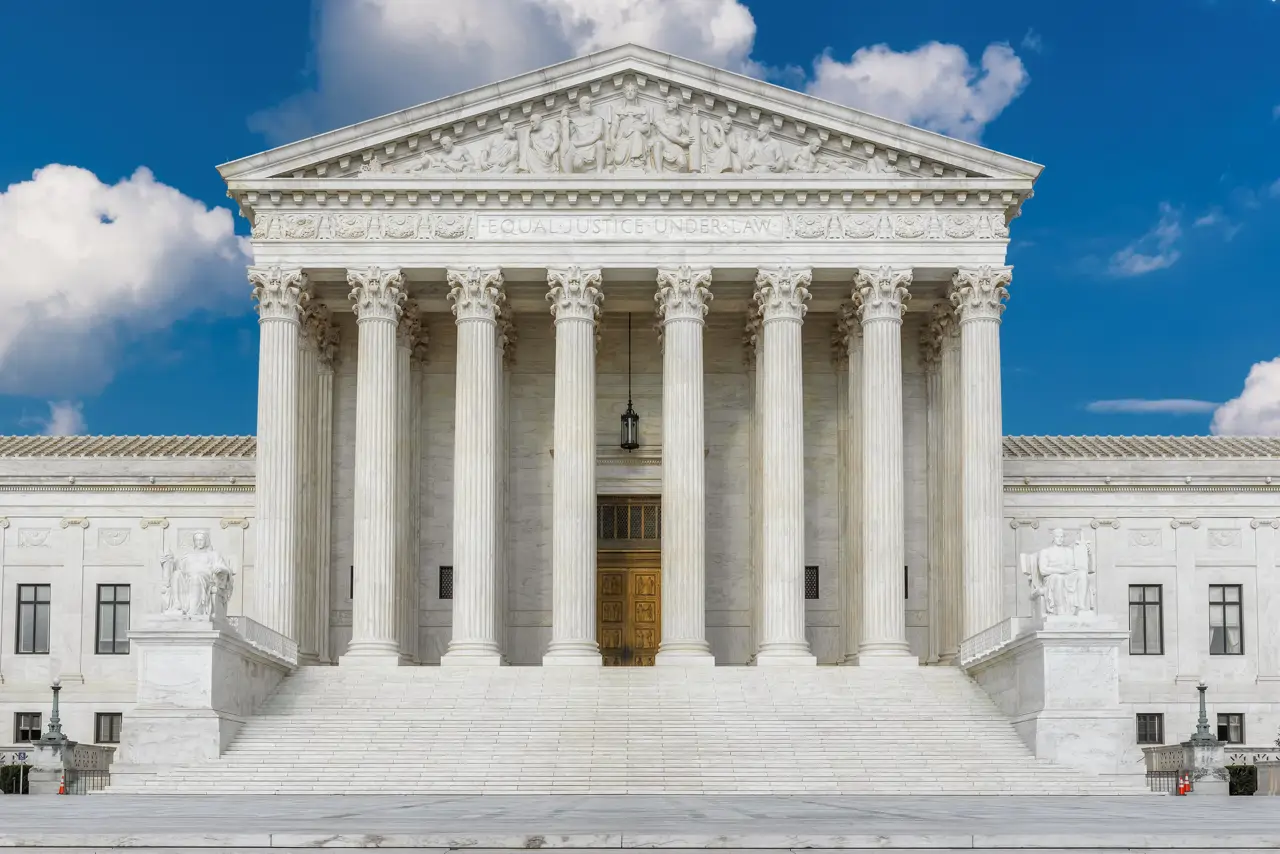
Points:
[(629, 133), (672, 139), (543, 152), (583, 138), (372, 168), (502, 154), (450, 158), (720, 146), (764, 154), (806, 159)]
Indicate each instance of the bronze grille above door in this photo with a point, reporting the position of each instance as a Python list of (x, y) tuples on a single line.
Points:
[(635, 520)]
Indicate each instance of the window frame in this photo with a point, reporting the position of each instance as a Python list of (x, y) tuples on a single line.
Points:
[(115, 603), (1145, 605), (99, 718), (1158, 718), (812, 573), (444, 584), (1224, 720), (18, 728), (1226, 604), (34, 603)]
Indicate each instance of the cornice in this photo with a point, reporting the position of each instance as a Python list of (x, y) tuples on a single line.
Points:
[(1103, 487), (9, 487)]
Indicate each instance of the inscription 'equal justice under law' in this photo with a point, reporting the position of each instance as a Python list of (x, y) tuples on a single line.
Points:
[(606, 227)]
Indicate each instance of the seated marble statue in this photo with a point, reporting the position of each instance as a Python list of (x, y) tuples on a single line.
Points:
[(1061, 577), (198, 584)]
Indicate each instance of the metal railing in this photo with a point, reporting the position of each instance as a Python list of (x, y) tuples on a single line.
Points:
[(1166, 782), (81, 782)]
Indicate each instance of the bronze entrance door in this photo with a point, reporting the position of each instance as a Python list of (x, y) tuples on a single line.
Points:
[(629, 607)]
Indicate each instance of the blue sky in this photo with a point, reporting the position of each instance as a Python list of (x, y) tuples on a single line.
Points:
[(1146, 266)]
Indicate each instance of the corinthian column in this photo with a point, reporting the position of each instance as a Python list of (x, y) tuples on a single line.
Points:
[(978, 295), (406, 462), (950, 515), (931, 360), (477, 299), (377, 295), (327, 353), (575, 304), (280, 294), (315, 318), (850, 331), (781, 295), (683, 295), (753, 347), (881, 296)]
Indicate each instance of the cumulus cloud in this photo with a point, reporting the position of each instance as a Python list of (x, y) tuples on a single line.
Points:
[(429, 50), (377, 56), (66, 418), (1142, 406), (934, 86), (85, 265), (1256, 412), (1155, 250)]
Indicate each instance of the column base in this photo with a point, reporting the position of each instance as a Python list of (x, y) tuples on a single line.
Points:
[(949, 658), (685, 654), (786, 655), (886, 657), (850, 660), (572, 654), (371, 654), (472, 655)]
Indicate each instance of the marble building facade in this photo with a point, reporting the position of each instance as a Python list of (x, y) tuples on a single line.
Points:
[(801, 301)]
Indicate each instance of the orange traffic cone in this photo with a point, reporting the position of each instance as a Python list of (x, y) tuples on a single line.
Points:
[(62, 784)]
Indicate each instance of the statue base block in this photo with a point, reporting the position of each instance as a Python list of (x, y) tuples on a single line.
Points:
[(198, 680), (1059, 682)]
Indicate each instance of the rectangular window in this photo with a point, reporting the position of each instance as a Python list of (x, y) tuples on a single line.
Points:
[(1146, 620), (1226, 632), (811, 582), (1150, 729), (351, 584), (106, 727), (1231, 729), (33, 619), (113, 619), (26, 727), (446, 582)]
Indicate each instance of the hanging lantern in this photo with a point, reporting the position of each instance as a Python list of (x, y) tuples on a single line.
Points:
[(630, 420)]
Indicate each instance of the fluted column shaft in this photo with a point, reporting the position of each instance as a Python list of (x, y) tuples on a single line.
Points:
[(575, 304), (308, 548), (753, 346), (931, 358), (851, 581), (280, 294), (406, 563), (881, 295), (327, 353), (781, 295), (417, 361), (505, 353), (377, 294), (477, 298), (683, 297), (951, 515), (978, 295)]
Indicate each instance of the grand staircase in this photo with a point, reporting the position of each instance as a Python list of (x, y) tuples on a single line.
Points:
[(433, 730)]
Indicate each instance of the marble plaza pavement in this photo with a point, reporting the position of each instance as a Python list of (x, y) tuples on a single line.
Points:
[(210, 824)]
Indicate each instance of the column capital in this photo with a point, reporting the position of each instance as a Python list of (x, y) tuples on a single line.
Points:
[(376, 293), (752, 338), (881, 293), (476, 293), (683, 293), (507, 335), (315, 322), (782, 292), (281, 292), (934, 335), (978, 293), (574, 293), (410, 326), (847, 334)]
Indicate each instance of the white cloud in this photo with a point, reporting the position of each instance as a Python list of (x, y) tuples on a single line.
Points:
[(1275, 189), (1142, 406), (85, 265), (377, 56), (1256, 412), (934, 86), (1155, 250), (66, 418), (1033, 42)]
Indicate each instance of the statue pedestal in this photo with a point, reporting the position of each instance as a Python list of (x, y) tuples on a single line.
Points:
[(198, 680), (1206, 760), (1058, 680)]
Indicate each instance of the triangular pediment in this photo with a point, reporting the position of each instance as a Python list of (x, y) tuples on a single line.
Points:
[(629, 111)]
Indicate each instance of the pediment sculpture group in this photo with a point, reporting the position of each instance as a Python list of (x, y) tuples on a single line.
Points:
[(635, 139), (1062, 578), (198, 584)]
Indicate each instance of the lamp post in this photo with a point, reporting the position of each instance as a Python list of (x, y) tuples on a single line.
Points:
[(1203, 735), (630, 420), (54, 735)]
